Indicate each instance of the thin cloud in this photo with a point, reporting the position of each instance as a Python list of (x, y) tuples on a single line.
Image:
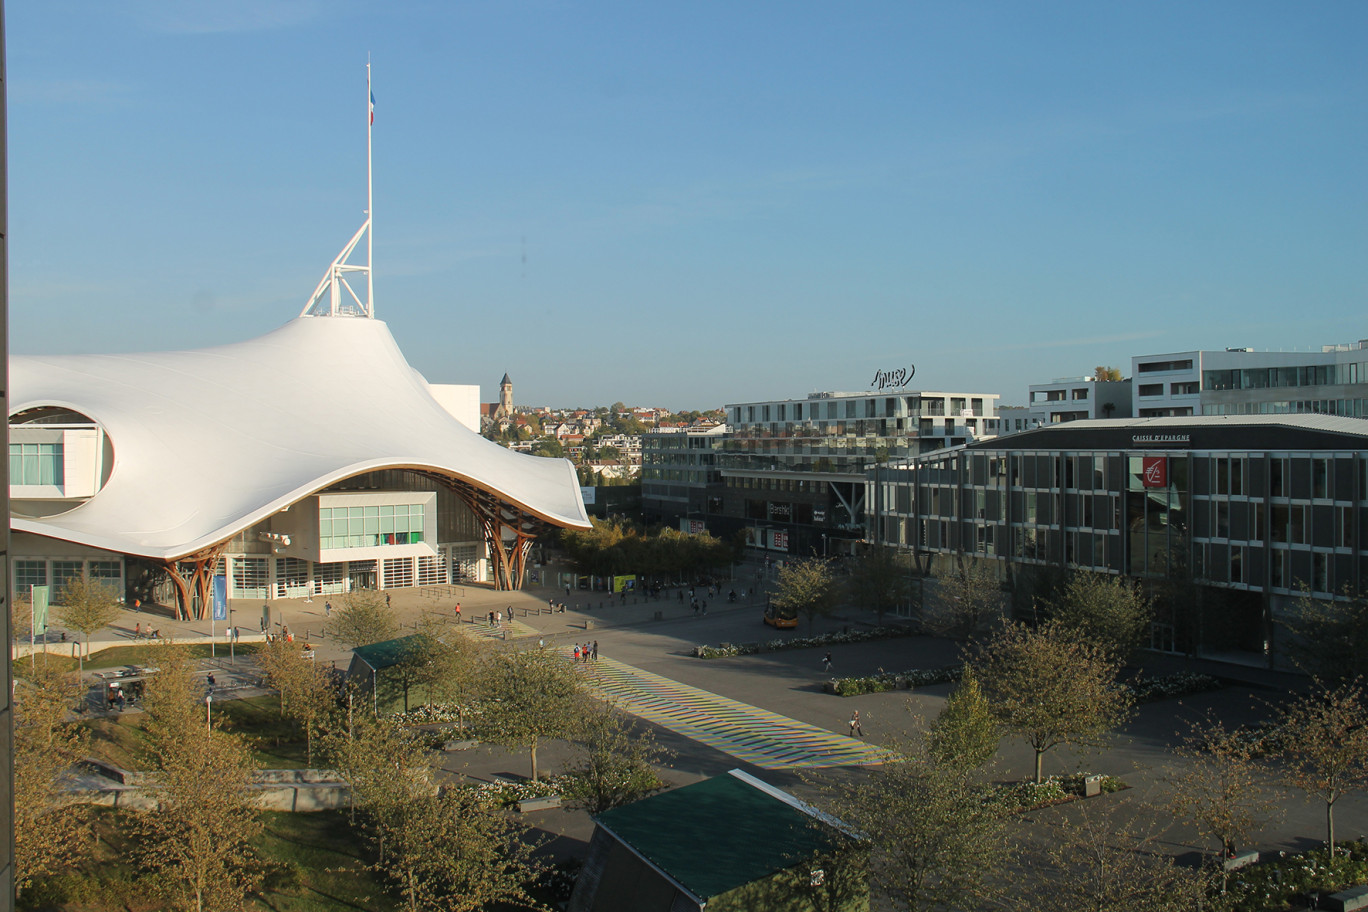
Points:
[(68, 92)]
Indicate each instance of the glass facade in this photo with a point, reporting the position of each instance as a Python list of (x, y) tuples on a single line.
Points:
[(35, 463), (370, 526)]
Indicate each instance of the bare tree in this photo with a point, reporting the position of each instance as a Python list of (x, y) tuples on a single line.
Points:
[(970, 602), (1051, 689), (1093, 862), (87, 606), (1325, 746), (1221, 785)]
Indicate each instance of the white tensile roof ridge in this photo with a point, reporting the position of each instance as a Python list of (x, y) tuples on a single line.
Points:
[(208, 442)]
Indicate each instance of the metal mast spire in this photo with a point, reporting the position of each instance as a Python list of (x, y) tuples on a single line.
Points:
[(328, 299)]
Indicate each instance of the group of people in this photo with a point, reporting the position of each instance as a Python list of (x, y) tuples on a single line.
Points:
[(586, 652), (139, 632)]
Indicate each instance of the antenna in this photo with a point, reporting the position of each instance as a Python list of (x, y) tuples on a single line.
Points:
[(327, 299)]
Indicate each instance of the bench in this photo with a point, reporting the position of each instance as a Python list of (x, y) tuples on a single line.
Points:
[(1347, 900), (546, 803)]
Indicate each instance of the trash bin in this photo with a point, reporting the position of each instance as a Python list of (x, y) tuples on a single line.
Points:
[(1092, 786)]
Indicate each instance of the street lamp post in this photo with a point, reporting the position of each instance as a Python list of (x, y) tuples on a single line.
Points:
[(232, 638), (208, 714)]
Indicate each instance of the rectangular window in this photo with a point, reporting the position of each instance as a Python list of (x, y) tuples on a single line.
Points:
[(398, 572), (1150, 389), (249, 577), (29, 573), (63, 572), (105, 571), (36, 464)]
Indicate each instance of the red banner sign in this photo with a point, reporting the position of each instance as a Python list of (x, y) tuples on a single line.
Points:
[(1155, 471)]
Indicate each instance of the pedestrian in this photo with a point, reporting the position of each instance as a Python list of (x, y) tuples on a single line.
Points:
[(137, 629), (387, 597), (577, 651), (567, 591), (595, 650), (137, 605), (327, 609), (458, 612), (498, 616), (491, 620), (541, 643), (826, 662), (855, 728)]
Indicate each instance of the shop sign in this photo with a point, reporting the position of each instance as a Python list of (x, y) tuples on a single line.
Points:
[(893, 379), (1154, 471)]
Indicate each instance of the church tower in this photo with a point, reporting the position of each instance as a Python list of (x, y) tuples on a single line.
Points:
[(506, 397)]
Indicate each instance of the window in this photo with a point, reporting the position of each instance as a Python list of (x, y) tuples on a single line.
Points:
[(1184, 389), (1150, 389), (35, 463), (371, 526), (29, 573), (398, 572), (1152, 366), (249, 577), (63, 572), (105, 571)]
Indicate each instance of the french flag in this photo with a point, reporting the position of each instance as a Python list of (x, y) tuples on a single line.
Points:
[(372, 107)]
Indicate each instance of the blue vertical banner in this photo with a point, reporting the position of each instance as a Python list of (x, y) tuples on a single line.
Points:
[(220, 598)]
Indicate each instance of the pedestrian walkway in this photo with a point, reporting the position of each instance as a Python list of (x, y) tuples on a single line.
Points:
[(766, 739)]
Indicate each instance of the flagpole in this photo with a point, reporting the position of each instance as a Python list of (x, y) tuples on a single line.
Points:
[(370, 199)]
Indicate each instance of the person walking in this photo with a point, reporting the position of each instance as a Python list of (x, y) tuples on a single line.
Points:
[(855, 729), (327, 609), (595, 650), (577, 653), (826, 662), (458, 612)]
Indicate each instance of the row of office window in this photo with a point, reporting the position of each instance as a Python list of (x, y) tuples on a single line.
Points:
[(370, 526), (29, 572), (35, 463), (1275, 377)]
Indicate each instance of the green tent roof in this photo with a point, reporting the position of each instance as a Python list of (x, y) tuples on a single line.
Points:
[(719, 834), (389, 653)]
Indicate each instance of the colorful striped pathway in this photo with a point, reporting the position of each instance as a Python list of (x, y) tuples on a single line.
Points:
[(766, 739)]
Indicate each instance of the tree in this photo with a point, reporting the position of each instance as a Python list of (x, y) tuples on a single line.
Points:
[(1326, 746), (1221, 785), (1330, 638), (306, 690), (532, 696), (615, 760), (970, 602), (1050, 689), (47, 836), (200, 839), (879, 581), (549, 447), (934, 834), (1109, 611), (966, 734), (808, 587), (87, 606), (455, 853), (363, 618), (452, 672), (1103, 374), (1092, 863)]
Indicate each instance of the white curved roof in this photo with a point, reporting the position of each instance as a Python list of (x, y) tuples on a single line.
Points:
[(208, 442)]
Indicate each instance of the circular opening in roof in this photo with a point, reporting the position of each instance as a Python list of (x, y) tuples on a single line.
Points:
[(58, 457)]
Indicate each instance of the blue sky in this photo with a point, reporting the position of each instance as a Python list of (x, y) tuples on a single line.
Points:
[(691, 204)]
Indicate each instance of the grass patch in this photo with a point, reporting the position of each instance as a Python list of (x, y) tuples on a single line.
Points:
[(315, 862), (119, 740), (277, 743)]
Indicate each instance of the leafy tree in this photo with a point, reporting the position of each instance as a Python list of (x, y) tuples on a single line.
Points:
[(1050, 689), (808, 587), (1093, 863), (452, 667), (1109, 611), (1102, 374), (454, 852), (966, 733), (934, 835), (614, 762), (879, 581), (1330, 638), (363, 618), (200, 839), (1220, 785), (47, 836), (21, 617), (306, 690), (970, 602), (1326, 746), (87, 606), (531, 696), (549, 447)]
